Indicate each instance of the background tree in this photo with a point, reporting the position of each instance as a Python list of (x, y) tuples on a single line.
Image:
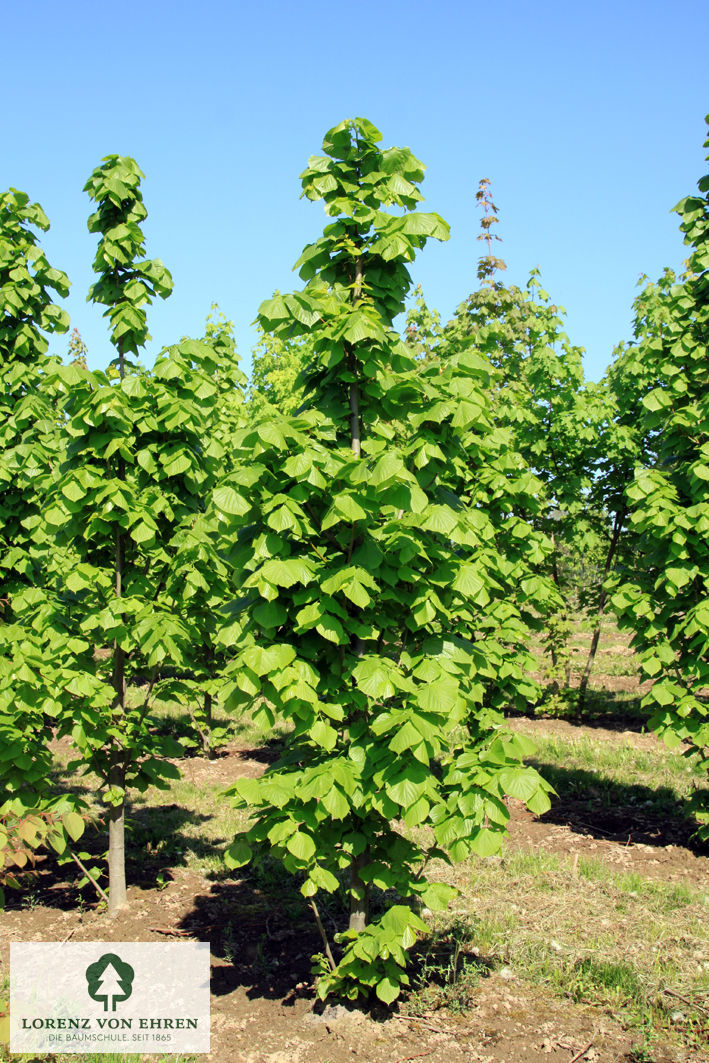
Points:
[(539, 395), (665, 602), (277, 362), (202, 591), (387, 583), (424, 331), (624, 441), (77, 349)]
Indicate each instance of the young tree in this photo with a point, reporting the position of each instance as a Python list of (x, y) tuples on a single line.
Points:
[(665, 603), (133, 476), (541, 397), (623, 442), (424, 332), (32, 667), (202, 590), (277, 362), (378, 549), (77, 349)]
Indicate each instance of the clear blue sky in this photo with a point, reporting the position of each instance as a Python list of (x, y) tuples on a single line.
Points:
[(588, 118)]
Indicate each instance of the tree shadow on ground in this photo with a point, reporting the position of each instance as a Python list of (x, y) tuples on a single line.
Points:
[(264, 934), (594, 805), (611, 710), (155, 840), (268, 752), (263, 931), (155, 843)]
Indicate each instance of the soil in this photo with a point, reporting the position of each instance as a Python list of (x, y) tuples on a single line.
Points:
[(263, 1005)]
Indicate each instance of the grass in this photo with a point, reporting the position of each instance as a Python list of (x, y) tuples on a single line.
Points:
[(445, 973), (654, 781), (638, 936), (636, 939), (623, 762)]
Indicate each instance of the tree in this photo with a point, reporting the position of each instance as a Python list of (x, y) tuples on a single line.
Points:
[(203, 590), (424, 331), (378, 551), (666, 601), (277, 362), (77, 348), (541, 397), (132, 479), (33, 670), (623, 442)]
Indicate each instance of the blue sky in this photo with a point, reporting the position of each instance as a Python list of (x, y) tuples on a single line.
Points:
[(588, 118)]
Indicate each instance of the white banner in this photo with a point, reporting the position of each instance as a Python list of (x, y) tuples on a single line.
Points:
[(99, 996)]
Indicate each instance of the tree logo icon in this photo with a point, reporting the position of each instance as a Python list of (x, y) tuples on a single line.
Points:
[(110, 980)]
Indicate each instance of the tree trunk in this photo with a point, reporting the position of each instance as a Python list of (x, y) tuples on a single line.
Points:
[(117, 898), (552, 649), (207, 747), (359, 894), (355, 439), (602, 598), (359, 891)]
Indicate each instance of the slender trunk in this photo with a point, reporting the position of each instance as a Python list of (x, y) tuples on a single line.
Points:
[(117, 898), (207, 747), (117, 773), (323, 935), (359, 893), (355, 429), (602, 598), (552, 647), (355, 434), (99, 889), (355, 442)]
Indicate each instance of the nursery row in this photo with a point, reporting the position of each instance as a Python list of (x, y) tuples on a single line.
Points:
[(363, 542)]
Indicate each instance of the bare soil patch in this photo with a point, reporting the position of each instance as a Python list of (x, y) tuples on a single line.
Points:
[(262, 998), (261, 937)]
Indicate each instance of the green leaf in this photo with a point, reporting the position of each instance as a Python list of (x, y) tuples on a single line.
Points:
[(331, 629), (470, 584), (406, 789), (227, 500), (324, 879), (521, 783), (485, 842), (286, 573), (301, 846), (270, 614), (438, 895), (387, 990), (267, 660), (268, 432), (323, 734), (440, 696), (373, 677), (344, 507), (336, 803), (237, 854), (73, 824)]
